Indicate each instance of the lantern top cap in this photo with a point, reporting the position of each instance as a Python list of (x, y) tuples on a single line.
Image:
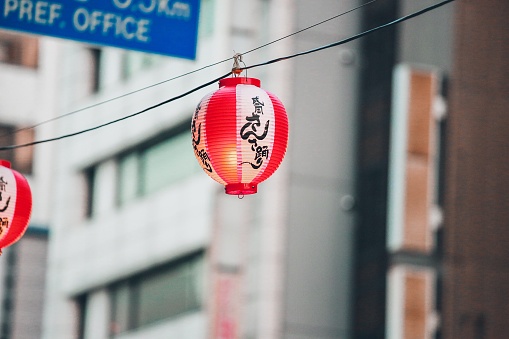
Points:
[(239, 81), (5, 163)]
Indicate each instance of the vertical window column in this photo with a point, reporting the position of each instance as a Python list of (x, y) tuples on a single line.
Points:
[(414, 214), (100, 182)]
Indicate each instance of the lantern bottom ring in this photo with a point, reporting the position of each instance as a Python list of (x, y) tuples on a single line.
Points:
[(241, 189)]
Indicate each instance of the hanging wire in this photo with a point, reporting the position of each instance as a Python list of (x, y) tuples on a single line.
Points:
[(344, 41), (116, 98), (4, 148), (309, 27), (355, 37), (182, 75)]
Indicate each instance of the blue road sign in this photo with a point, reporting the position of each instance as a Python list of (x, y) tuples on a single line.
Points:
[(165, 27)]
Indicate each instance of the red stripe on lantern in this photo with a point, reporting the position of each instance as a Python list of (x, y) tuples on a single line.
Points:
[(221, 142)]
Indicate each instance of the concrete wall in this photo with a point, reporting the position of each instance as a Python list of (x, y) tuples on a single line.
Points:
[(27, 99), (322, 162)]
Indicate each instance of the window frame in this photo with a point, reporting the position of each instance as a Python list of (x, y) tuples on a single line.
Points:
[(88, 173), (134, 284), (90, 177), (139, 151), (21, 50)]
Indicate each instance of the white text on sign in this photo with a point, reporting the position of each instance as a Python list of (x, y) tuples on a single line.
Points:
[(39, 12), (127, 27), (176, 9), (166, 27)]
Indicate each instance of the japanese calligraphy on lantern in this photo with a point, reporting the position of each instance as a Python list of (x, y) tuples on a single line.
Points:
[(199, 148), (7, 198), (252, 133)]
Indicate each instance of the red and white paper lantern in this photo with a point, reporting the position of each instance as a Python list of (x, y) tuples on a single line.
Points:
[(15, 205), (240, 134)]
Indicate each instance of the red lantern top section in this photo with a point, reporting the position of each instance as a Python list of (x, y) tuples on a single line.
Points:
[(239, 81), (240, 134)]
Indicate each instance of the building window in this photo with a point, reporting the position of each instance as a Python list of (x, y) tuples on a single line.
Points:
[(134, 62), (7, 138), (158, 294), (145, 169), (156, 164), (6, 50), (9, 288), (81, 304), (121, 295), (206, 26), (19, 50), (90, 180), (21, 159), (128, 177), (95, 74), (166, 163)]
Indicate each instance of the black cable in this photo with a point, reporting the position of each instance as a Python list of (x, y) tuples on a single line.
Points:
[(117, 97), (4, 148), (182, 75), (305, 29), (357, 36)]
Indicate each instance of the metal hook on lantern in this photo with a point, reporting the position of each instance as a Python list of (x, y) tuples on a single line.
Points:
[(236, 69)]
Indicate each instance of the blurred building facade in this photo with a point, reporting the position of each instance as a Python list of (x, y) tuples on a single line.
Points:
[(23, 265), (386, 219), (430, 254), (147, 246)]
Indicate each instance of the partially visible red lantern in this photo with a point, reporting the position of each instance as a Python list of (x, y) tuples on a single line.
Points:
[(240, 134), (15, 205)]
